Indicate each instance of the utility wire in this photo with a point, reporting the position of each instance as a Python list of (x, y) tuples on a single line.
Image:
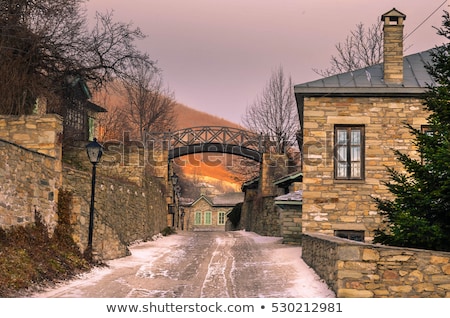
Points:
[(426, 19), (414, 30)]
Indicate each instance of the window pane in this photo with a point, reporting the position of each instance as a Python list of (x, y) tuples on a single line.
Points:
[(341, 171), (356, 137), (356, 153), (341, 137), (341, 153), (356, 170)]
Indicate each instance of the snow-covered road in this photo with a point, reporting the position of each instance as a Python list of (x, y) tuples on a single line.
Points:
[(202, 265)]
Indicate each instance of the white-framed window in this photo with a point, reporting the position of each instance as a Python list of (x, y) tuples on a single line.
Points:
[(221, 218), (349, 152)]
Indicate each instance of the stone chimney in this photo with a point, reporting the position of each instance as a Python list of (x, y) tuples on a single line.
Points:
[(393, 46)]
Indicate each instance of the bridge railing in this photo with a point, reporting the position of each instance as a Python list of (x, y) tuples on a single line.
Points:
[(207, 135)]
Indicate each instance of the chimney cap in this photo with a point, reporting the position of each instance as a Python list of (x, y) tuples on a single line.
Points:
[(393, 16)]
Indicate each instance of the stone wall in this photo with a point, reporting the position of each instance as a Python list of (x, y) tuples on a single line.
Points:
[(290, 223), (259, 213), (30, 168), (29, 184), (124, 212), (130, 200), (330, 204), (41, 133), (354, 269)]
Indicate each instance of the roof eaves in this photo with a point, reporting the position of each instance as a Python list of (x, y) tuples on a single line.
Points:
[(286, 202), (359, 91), (200, 198), (96, 108), (289, 178)]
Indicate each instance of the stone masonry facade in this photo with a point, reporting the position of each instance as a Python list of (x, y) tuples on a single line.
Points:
[(359, 270), (330, 204)]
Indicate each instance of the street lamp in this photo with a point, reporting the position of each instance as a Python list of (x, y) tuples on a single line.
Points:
[(174, 179), (94, 151), (182, 219)]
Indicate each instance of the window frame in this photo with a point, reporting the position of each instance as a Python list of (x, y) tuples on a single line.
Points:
[(221, 218), (348, 147)]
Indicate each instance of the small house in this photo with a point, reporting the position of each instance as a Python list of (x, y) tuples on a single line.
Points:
[(209, 213), (350, 125)]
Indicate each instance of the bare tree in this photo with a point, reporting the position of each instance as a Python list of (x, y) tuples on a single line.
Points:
[(111, 124), (150, 106), (42, 42), (363, 47), (273, 114)]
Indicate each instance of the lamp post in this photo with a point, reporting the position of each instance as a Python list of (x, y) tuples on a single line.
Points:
[(94, 151), (182, 219), (174, 179)]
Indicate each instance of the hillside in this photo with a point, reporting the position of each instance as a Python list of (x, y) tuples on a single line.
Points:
[(189, 117)]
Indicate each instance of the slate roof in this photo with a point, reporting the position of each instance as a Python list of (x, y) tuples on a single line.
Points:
[(369, 80), (291, 197), (289, 179), (228, 199), (225, 199)]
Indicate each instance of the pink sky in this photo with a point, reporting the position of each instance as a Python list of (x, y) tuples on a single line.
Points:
[(217, 55)]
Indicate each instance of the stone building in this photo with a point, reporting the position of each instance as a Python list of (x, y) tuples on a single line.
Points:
[(209, 213), (350, 124)]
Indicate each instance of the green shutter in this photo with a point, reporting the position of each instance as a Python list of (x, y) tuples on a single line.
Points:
[(91, 123), (198, 218), (208, 218)]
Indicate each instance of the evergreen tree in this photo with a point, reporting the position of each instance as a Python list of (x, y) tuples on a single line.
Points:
[(419, 214)]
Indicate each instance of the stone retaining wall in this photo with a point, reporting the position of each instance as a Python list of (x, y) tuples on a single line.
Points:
[(291, 224), (354, 269), (124, 212), (41, 133), (29, 184), (30, 168)]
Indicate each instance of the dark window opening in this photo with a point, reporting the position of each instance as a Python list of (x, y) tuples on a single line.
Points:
[(350, 235)]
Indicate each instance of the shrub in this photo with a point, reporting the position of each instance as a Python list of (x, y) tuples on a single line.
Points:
[(29, 256)]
